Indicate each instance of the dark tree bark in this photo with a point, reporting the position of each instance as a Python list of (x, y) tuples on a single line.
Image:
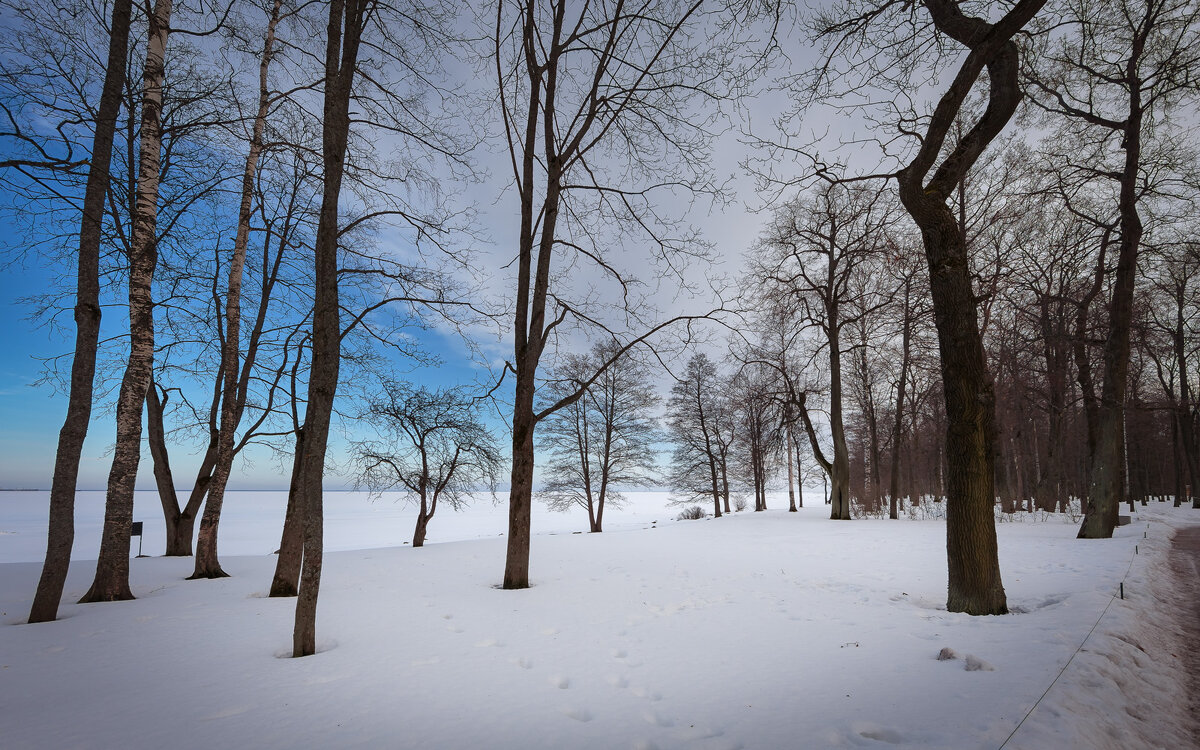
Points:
[(575, 80), (1106, 482), (286, 581), (906, 325), (974, 569), (61, 532), (347, 19), (164, 480), (112, 568)]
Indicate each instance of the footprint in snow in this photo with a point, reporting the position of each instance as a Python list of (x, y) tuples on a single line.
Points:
[(488, 643), (560, 682), (881, 734), (646, 693), (657, 719), (619, 653), (524, 662), (578, 714), (618, 680)]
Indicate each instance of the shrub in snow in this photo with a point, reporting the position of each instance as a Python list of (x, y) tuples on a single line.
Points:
[(690, 514), (863, 510), (928, 510), (739, 503)]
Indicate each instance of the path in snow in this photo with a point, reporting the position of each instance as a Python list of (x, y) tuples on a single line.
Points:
[(1185, 564)]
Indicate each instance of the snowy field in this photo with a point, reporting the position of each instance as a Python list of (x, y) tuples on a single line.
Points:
[(769, 630)]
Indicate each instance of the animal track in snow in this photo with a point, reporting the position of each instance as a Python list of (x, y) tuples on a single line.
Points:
[(560, 682)]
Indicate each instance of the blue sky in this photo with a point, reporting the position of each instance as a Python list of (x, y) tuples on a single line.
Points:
[(31, 417)]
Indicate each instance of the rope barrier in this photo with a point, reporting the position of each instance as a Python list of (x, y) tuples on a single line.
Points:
[(1062, 671)]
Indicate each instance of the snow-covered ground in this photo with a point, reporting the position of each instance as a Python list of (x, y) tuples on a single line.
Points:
[(769, 630)]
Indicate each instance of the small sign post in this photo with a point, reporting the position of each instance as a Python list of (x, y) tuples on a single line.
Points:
[(136, 530)]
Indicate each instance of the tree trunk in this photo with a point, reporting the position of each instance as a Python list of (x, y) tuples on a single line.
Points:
[(799, 472), (520, 495), (1106, 481), (418, 539), (974, 571), (973, 564), (787, 449), (341, 56), (207, 563), (61, 531), (286, 581), (898, 422), (839, 476), (112, 567), (163, 478)]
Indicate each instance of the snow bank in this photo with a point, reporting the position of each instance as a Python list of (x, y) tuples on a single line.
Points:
[(768, 630)]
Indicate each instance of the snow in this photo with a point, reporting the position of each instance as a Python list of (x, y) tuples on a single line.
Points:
[(767, 630)]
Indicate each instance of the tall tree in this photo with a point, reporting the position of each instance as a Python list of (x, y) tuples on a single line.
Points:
[(1115, 76), (207, 562), (347, 21), (61, 531), (112, 567), (815, 250), (698, 466), (601, 103), (926, 185)]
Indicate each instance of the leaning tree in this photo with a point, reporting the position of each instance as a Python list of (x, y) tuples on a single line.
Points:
[(884, 46)]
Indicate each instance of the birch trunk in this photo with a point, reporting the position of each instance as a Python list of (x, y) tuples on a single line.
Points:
[(112, 567), (207, 563)]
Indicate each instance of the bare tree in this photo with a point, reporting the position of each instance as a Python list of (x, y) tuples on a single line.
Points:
[(760, 436), (61, 532), (1115, 76), (926, 184), (347, 21), (407, 42), (904, 264), (815, 251), (207, 563), (434, 446), (601, 103), (698, 465), (112, 567), (603, 441)]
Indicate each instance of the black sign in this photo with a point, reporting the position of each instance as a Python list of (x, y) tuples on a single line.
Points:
[(137, 529)]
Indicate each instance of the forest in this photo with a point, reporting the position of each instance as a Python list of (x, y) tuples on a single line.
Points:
[(970, 278)]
